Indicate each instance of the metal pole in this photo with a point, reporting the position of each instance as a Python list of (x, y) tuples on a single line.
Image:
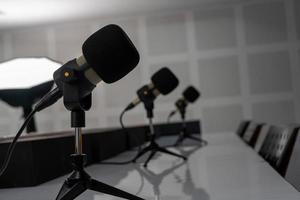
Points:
[(78, 141), (151, 126), (183, 122)]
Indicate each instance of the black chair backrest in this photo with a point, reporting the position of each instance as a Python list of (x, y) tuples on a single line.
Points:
[(292, 174), (277, 147), (252, 133), (261, 137), (242, 127)]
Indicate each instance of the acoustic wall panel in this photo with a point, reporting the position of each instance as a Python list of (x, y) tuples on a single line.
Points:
[(297, 16), (277, 112), (129, 119), (47, 124), (166, 34), (240, 56), (123, 91), (265, 23), (2, 49), (219, 77), (69, 39), (269, 72), (93, 120), (162, 116), (29, 42), (215, 29), (221, 118)]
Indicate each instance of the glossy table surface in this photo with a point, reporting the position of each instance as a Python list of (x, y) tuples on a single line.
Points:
[(225, 169)]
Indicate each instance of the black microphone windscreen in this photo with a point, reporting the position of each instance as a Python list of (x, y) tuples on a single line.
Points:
[(164, 81), (110, 52), (191, 94)]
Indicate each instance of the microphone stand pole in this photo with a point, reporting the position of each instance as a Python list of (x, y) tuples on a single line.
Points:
[(148, 98), (80, 181), (184, 134)]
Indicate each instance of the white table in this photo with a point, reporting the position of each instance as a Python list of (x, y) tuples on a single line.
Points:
[(226, 169)]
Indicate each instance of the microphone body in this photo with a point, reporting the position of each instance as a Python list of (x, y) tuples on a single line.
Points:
[(180, 105), (71, 72), (189, 95), (144, 92), (108, 55), (162, 82)]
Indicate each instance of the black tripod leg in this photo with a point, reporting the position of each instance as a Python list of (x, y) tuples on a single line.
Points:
[(70, 192), (179, 140), (141, 153), (150, 157), (107, 189), (163, 150)]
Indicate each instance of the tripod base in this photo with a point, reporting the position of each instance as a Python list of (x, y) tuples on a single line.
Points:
[(79, 181), (154, 148), (183, 135)]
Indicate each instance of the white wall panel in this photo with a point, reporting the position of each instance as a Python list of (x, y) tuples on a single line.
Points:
[(213, 48)]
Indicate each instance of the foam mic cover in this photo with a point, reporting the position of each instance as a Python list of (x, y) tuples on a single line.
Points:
[(110, 52), (191, 94), (164, 81)]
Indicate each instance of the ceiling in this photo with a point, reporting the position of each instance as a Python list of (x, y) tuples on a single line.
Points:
[(15, 13)]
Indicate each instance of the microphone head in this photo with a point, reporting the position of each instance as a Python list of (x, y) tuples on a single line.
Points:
[(110, 52), (164, 81), (191, 94)]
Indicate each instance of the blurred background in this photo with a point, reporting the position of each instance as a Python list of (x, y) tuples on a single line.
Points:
[(243, 55)]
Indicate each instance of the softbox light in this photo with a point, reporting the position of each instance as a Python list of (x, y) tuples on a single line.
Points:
[(23, 81)]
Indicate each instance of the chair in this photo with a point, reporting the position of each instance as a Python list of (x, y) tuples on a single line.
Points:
[(242, 127), (261, 137), (292, 174), (252, 132), (277, 147)]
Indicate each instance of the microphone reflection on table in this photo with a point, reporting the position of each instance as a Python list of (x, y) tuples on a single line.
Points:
[(189, 187), (157, 179)]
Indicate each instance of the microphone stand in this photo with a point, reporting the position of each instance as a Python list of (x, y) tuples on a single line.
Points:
[(79, 180), (148, 98), (184, 134)]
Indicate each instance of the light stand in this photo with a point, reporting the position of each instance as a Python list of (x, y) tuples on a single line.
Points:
[(147, 97), (31, 127), (184, 134), (80, 181)]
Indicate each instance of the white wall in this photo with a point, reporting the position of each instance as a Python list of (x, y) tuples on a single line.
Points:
[(244, 58)]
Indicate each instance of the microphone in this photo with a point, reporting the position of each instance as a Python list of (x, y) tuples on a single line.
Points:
[(107, 55), (189, 95), (163, 82)]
